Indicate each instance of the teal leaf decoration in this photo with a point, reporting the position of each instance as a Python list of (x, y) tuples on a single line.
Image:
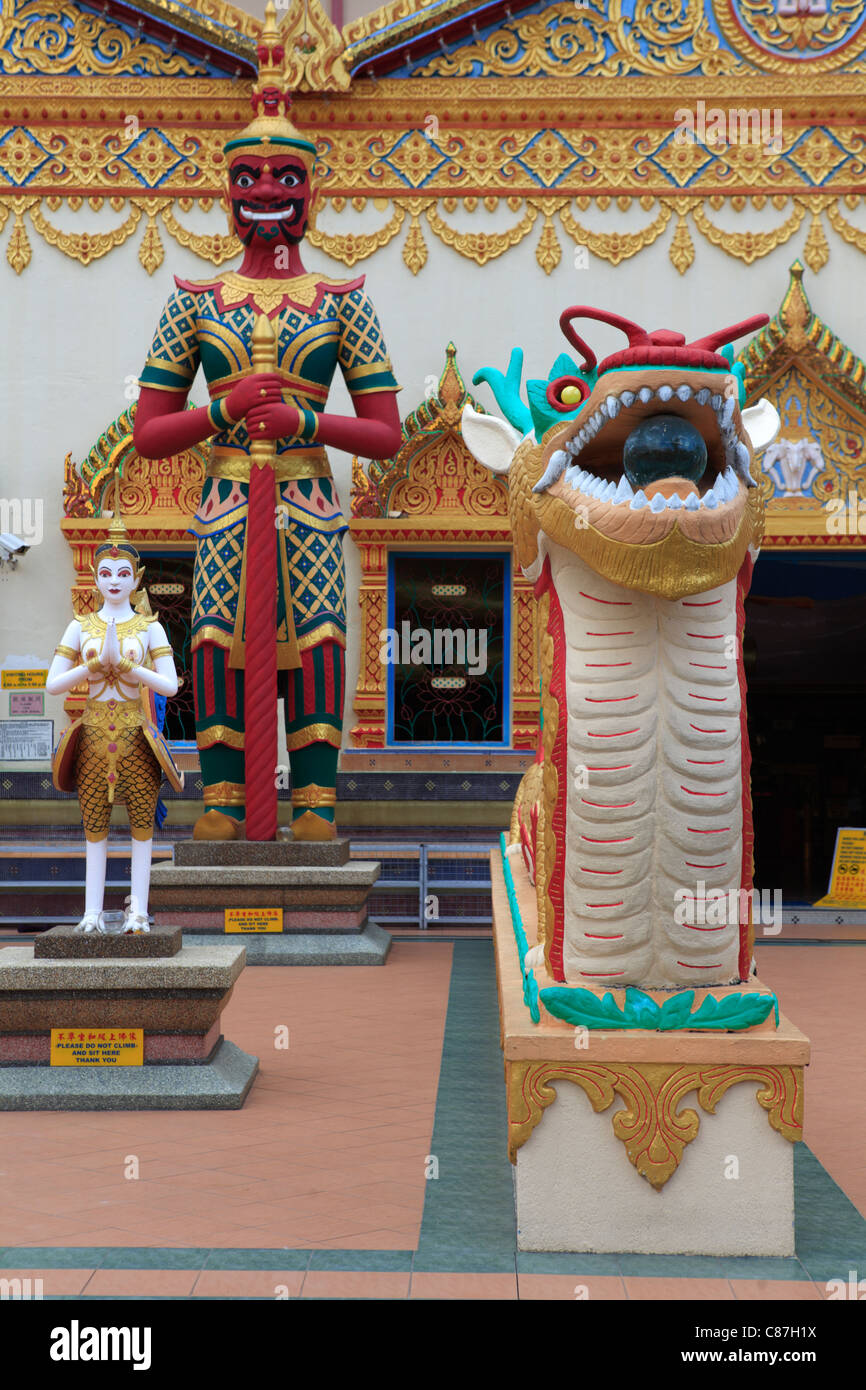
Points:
[(675, 1011), (583, 1008), (641, 1010), (734, 1012)]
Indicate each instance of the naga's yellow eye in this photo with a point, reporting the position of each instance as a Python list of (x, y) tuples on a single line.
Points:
[(570, 395)]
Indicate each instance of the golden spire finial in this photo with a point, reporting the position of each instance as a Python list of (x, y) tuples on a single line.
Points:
[(117, 532)]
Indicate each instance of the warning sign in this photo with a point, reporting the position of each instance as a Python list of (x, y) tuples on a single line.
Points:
[(254, 919), (97, 1047), (848, 875)]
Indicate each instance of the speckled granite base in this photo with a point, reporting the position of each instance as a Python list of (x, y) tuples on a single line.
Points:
[(283, 853), (65, 943), (176, 1000), (305, 919), (221, 1084), (369, 947), (316, 900)]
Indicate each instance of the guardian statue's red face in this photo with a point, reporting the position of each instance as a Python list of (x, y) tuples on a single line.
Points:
[(271, 198)]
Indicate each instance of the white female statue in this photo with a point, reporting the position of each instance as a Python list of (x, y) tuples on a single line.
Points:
[(114, 752)]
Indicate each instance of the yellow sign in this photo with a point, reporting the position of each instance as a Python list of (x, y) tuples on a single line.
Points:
[(254, 919), (97, 1047), (23, 680), (848, 875)]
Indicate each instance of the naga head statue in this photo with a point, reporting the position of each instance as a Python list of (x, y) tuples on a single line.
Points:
[(642, 464), (270, 163)]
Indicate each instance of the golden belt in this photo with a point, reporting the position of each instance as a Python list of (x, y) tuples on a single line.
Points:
[(299, 463), (105, 713)]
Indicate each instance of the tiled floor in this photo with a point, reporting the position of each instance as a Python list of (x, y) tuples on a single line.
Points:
[(369, 1160)]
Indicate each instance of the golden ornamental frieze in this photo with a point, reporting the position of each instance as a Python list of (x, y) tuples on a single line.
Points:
[(562, 231), (652, 1127), (123, 152)]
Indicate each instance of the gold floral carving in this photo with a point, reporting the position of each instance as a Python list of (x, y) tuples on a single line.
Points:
[(85, 247), (351, 247), (855, 236), (34, 38), (314, 49), (760, 23), (652, 1127), (616, 246), (577, 40), (481, 247), (682, 249), (212, 247), (18, 252), (749, 246)]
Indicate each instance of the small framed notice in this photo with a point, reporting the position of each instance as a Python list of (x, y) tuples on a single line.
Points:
[(254, 919), (26, 740), (97, 1047), (26, 704), (14, 679), (848, 874)]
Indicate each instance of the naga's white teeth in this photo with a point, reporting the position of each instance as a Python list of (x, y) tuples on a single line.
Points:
[(559, 458), (608, 493), (665, 393), (675, 502), (572, 447), (727, 413), (741, 457), (732, 487), (715, 402), (624, 492), (684, 392), (710, 500), (639, 501), (692, 502), (645, 395), (703, 395), (552, 472), (627, 398), (658, 503), (612, 407)]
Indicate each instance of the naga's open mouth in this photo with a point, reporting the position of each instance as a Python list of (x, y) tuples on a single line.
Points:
[(652, 451)]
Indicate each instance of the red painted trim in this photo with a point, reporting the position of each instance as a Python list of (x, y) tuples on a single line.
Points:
[(556, 871), (744, 581)]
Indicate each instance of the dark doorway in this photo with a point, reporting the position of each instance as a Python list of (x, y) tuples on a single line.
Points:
[(805, 658)]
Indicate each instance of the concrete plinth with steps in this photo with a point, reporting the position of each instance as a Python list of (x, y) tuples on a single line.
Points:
[(107, 987), (320, 893)]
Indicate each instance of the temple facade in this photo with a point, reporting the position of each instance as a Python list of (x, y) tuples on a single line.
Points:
[(484, 166)]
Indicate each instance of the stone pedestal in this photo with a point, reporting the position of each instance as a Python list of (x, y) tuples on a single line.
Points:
[(105, 986), (645, 1142), (320, 893)]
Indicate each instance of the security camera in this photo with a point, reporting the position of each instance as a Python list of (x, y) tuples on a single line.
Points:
[(10, 548)]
